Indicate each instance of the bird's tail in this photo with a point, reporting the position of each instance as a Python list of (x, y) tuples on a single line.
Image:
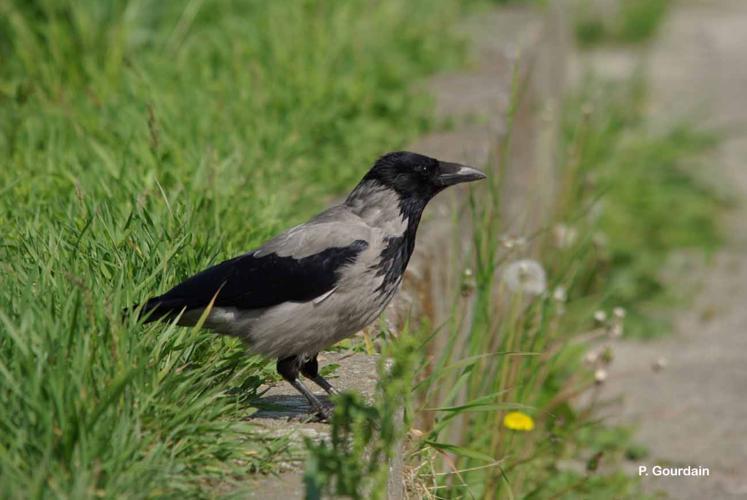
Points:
[(154, 309)]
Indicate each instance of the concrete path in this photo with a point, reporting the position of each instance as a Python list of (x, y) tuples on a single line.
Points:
[(694, 412)]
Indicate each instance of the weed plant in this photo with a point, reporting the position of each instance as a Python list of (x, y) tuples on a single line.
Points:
[(624, 21)]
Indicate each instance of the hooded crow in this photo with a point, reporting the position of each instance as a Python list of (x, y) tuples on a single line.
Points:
[(322, 281)]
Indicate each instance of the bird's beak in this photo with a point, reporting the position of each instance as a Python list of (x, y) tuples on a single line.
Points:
[(454, 173)]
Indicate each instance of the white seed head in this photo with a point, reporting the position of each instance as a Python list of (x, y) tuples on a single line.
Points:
[(616, 330), (565, 236), (560, 294), (525, 276), (591, 357), (511, 242), (600, 316), (660, 364), (618, 312), (600, 375)]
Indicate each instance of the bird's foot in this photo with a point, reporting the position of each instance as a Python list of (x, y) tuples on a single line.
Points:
[(324, 412), (321, 413)]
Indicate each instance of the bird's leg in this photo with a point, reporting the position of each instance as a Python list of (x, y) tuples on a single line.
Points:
[(310, 370), (289, 368)]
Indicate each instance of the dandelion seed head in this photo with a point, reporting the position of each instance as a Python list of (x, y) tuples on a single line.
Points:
[(660, 364), (616, 330), (591, 357), (600, 316), (525, 276), (511, 242), (468, 282), (560, 294), (618, 312), (565, 236), (600, 375)]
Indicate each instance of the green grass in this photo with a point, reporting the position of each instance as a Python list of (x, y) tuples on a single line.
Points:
[(141, 141), (628, 22)]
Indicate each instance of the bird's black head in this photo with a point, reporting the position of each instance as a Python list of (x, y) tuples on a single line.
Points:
[(419, 176)]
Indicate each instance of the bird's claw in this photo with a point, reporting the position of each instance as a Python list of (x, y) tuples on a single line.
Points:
[(324, 413)]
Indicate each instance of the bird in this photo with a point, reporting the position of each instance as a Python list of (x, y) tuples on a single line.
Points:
[(319, 282)]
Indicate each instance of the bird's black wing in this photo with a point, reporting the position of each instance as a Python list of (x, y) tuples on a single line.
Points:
[(257, 280)]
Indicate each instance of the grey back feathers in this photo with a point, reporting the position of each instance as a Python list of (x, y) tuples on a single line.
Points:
[(335, 227), (345, 242), (354, 300)]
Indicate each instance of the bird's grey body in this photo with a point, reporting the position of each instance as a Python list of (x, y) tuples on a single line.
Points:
[(322, 281), (370, 214)]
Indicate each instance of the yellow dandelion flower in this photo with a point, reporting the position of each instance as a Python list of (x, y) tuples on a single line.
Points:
[(518, 421)]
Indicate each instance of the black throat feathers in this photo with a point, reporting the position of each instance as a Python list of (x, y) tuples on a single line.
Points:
[(398, 250)]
